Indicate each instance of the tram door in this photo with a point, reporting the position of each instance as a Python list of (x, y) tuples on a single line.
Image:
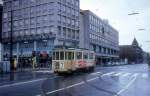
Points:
[(69, 57)]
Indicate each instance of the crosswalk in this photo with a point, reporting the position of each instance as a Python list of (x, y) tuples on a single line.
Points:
[(112, 74), (123, 74)]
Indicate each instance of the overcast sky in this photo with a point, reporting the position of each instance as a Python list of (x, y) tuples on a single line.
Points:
[(116, 11)]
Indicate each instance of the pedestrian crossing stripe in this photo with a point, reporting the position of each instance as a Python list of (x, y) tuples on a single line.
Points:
[(108, 74), (126, 74), (135, 74), (118, 74)]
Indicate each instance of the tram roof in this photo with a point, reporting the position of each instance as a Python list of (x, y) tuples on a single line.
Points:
[(72, 49)]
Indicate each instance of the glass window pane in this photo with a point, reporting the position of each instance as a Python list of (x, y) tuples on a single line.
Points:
[(53, 55), (69, 56), (61, 55), (66, 55), (79, 55), (85, 55), (57, 55), (91, 55)]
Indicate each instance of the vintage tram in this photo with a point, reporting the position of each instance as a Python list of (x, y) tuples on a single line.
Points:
[(72, 60)]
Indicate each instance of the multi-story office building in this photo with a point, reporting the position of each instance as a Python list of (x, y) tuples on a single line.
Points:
[(98, 35), (1, 12), (40, 25)]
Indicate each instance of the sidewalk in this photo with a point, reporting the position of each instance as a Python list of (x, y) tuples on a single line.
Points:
[(25, 74), (19, 70)]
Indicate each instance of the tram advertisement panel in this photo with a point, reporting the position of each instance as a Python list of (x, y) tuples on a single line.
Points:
[(82, 64)]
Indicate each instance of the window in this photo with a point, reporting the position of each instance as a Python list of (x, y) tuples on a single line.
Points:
[(63, 8), (26, 21), (54, 56), (103, 30), (79, 55), (66, 55), (59, 18), (33, 31), (39, 30), (76, 3), (69, 56), (57, 55), (91, 56), (61, 55), (33, 21), (52, 29), (85, 55)]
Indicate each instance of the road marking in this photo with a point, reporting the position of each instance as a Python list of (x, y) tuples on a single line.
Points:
[(107, 74), (144, 75), (26, 82), (135, 75), (127, 86), (71, 86), (126, 74), (117, 74), (96, 73)]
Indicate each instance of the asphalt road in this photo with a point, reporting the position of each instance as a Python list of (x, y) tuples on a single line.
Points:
[(127, 80)]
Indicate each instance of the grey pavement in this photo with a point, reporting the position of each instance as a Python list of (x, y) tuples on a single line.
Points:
[(127, 80)]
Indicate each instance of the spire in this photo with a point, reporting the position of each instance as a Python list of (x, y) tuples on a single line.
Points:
[(135, 43)]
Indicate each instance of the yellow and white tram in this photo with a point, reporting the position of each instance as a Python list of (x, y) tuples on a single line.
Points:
[(70, 60)]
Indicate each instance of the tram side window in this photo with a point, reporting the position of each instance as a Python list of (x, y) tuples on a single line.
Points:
[(79, 55), (69, 56), (91, 56), (66, 55), (54, 56), (61, 55), (85, 55), (57, 55), (73, 55)]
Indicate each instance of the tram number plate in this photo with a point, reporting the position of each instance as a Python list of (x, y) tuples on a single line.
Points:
[(82, 63)]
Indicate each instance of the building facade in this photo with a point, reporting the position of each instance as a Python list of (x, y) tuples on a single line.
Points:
[(39, 25), (133, 53), (96, 34)]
